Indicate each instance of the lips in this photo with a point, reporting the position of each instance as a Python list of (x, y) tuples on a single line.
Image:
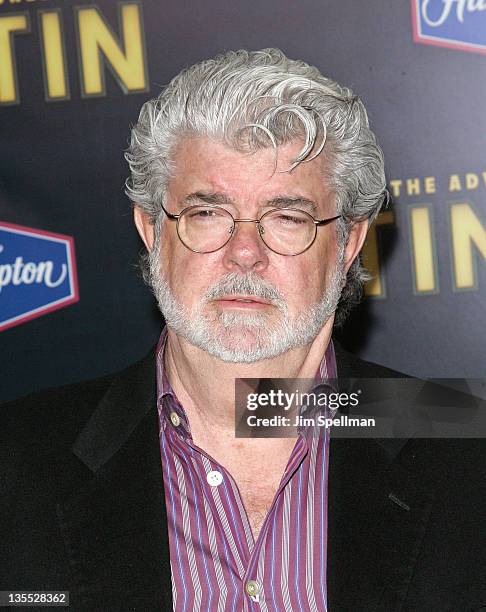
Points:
[(243, 299)]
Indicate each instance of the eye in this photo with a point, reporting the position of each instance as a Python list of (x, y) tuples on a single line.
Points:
[(291, 219), (205, 214)]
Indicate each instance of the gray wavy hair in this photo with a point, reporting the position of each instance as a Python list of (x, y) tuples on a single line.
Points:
[(255, 99)]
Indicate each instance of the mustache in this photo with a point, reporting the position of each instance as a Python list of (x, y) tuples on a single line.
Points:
[(248, 284)]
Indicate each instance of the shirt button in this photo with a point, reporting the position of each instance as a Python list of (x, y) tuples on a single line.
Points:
[(214, 478), (252, 588), (174, 419)]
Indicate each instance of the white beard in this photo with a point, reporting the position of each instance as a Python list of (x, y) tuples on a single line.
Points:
[(241, 337)]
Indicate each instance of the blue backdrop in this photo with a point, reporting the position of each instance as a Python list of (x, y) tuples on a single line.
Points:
[(72, 79)]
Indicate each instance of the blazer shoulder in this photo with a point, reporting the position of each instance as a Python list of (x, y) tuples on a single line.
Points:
[(50, 414), (350, 366), (57, 415)]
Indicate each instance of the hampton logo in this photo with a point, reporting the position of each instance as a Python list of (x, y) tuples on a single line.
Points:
[(457, 24), (37, 273)]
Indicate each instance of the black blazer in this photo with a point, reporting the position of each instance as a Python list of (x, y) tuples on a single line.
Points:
[(83, 507)]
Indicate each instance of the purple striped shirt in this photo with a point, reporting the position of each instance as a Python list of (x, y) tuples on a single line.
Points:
[(215, 562)]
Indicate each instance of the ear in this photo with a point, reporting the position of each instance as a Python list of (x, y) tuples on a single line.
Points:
[(144, 226), (357, 236)]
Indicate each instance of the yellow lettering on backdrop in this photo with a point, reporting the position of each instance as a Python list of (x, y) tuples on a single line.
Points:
[(413, 186), (472, 181), (429, 184), (9, 25), (425, 277), (454, 183), (126, 59), (55, 75), (467, 230), (371, 259), (395, 187)]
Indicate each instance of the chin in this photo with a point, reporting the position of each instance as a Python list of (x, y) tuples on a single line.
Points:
[(232, 353), (244, 342), (239, 339)]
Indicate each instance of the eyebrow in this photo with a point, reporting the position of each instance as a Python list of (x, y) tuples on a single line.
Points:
[(220, 199), (217, 199), (292, 202)]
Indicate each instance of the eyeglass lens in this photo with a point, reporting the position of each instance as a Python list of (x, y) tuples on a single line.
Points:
[(286, 231)]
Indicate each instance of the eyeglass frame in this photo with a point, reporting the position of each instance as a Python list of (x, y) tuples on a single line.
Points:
[(317, 223)]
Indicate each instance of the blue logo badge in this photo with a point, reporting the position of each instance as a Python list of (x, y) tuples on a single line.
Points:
[(458, 24), (37, 273)]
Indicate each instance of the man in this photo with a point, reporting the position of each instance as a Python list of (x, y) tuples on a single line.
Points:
[(254, 180)]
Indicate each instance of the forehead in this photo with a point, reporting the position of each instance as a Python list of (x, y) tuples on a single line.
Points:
[(202, 164)]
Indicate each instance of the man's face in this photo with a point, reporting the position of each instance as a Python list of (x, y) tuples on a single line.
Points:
[(244, 303)]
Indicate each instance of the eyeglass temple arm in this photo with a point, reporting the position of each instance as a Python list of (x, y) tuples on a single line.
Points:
[(169, 215), (326, 221)]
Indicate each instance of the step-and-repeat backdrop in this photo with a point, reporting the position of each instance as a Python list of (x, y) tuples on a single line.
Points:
[(73, 76)]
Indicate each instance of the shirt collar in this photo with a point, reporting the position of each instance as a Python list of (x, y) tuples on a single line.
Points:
[(168, 403)]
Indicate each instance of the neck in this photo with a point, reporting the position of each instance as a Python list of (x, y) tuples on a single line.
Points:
[(205, 385)]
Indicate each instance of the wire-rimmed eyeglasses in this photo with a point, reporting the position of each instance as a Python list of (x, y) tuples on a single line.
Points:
[(208, 228)]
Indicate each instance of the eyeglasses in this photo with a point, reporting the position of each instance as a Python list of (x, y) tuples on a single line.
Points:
[(208, 228)]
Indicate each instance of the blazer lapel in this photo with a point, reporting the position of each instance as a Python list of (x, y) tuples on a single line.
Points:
[(378, 511), (380, 498), (115, 523)]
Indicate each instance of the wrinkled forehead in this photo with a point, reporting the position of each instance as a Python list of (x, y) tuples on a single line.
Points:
[(211, 167)]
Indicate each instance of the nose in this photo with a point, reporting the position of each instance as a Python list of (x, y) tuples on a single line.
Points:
[(246, 251)]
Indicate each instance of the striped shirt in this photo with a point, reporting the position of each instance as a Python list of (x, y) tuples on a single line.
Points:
[(215, 562)]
